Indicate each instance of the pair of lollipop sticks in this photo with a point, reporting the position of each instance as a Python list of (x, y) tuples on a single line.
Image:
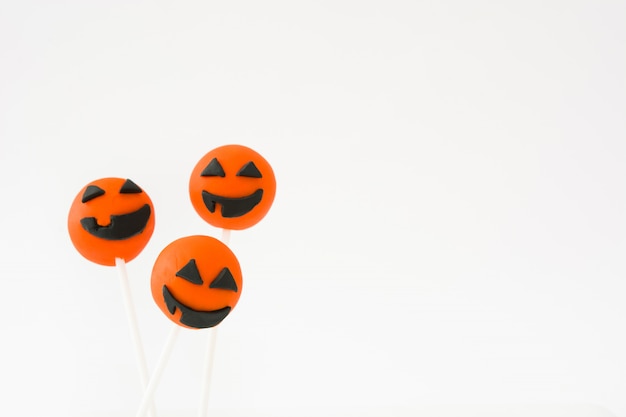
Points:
[(196, 281)]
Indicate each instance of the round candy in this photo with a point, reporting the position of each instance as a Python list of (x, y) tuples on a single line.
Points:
[(196, 281), (232, 187), (111, 218)]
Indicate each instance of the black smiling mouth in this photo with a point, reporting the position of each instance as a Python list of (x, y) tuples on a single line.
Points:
[(191, 317), (123, 226), (232, 206)]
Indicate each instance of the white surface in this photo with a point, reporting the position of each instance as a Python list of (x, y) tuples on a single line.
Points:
[(465, 410), (449, 225)]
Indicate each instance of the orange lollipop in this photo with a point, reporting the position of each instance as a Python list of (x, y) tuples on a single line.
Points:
[(196, 281), (111, 218), (110, 222), (232, 187)]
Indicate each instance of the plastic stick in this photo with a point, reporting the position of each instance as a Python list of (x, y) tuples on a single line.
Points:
[(134, 328), (210, 355), (158, 371), (208, 370), (226, 236)]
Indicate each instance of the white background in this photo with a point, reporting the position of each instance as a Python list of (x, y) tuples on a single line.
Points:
[(449, 226)]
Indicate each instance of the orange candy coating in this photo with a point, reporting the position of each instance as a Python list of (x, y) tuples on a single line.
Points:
[(196, 281), (110, 218), (232, 187)]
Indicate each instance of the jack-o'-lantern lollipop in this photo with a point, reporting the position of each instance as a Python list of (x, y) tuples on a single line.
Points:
[(110, 222), (196, 282), (111, 218), (232, 187)]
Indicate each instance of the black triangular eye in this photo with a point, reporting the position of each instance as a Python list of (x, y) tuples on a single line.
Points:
[(224, 281), (130, 187), (214, 169), (190, 272), (249, 170), (92, 192)]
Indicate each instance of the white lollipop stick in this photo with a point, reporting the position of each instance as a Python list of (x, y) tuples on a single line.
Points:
[(208, 370), (158, 371), (226, 236), (210, 355), (134, 328)]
